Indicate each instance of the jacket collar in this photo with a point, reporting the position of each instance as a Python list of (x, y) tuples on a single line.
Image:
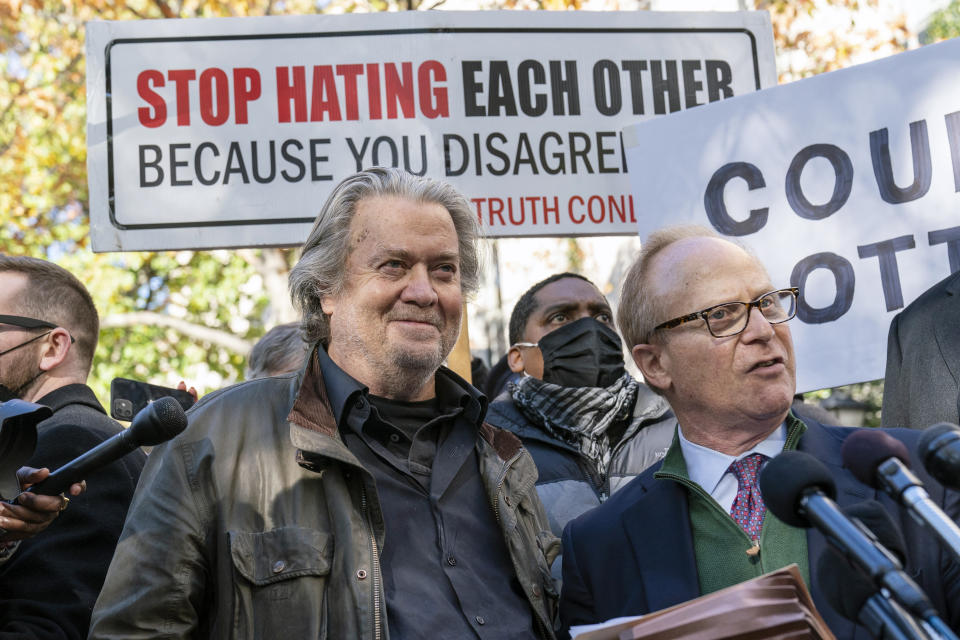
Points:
[(311, 410), (71, 394), (327, 392)]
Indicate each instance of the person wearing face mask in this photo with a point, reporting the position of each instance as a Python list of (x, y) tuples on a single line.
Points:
[(588, 424), (48, 334)]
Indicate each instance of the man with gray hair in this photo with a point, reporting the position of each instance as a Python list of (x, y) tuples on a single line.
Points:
[(280, 350), (363, 497)]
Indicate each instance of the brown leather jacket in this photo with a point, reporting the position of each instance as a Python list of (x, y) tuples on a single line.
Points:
[(257, 522)]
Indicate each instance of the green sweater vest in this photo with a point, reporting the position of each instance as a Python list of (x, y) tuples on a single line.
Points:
[(720, 545)]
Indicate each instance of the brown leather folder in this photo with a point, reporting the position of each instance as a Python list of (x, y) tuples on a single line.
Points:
[(774, 605)]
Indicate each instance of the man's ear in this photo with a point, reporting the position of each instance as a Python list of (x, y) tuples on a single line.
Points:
[(515, 360), (55, 348), (653, 364), (328, 304)]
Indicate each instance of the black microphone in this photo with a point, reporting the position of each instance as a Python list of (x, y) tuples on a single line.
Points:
[(882, 462), (799, 490), (939, 449), (18, 439), (157, 422), (852, 594)]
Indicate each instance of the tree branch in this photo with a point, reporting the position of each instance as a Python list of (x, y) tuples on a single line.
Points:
[(187, 328), (164, 9)]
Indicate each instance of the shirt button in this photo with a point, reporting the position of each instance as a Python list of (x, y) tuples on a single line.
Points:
[(451, 561), (536, 590), (507, 500), (279, 566), (394, 437), (361, 574), (480, 620), (360, 403)]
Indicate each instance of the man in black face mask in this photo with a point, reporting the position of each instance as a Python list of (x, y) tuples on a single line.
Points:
[(48, 334), (588, 424)]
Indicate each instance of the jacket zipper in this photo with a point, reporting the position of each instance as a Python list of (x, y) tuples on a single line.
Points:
[(496, 514), (500, 480), (375, 568)]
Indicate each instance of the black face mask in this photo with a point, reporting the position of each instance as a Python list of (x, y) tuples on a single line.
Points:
[(584, 353)]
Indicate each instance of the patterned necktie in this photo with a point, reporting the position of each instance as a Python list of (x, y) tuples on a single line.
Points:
[(748, 507)]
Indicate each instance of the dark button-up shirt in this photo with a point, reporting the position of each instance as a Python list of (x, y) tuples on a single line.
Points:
[(444, 563)]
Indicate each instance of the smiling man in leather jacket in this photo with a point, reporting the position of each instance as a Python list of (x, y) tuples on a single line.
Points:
[(363, 497)]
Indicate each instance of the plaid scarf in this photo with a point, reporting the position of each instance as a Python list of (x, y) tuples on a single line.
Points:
[(578, 416)]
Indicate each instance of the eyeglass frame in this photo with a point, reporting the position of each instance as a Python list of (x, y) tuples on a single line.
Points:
[(25, 322), (696, 315)]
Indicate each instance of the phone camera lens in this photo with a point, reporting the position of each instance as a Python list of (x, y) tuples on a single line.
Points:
[(123, 409)]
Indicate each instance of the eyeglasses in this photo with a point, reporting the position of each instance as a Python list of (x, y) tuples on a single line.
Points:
[(30, 323), (730, 318), (27, 323)]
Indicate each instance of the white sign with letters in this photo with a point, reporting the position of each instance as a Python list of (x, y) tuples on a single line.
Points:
[(846, 184), (232, 132)]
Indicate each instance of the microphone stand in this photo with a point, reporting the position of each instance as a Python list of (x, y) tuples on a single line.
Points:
[(900, 482), (880, 566), (887, 620)]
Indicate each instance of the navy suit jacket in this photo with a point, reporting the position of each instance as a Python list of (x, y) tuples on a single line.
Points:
[(634, 554)]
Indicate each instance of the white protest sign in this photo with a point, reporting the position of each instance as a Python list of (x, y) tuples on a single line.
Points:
[(232, 132), (846, 185)]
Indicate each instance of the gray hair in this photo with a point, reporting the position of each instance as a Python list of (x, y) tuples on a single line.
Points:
[(280, 350), (639, 312), (320, 271)]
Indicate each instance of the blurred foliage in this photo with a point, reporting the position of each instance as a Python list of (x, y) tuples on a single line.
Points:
[(574, 255), (944, 24), (815, 36), (869, 393)]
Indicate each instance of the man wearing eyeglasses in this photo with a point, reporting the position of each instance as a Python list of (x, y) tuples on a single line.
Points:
[(48, 334), (709, 331)]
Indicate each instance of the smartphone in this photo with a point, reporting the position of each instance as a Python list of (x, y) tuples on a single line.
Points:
[(128, 397)]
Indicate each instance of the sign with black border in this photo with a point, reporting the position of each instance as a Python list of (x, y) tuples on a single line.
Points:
[(231, 132)]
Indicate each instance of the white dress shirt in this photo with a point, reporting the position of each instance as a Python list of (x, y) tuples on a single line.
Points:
[(710, 469)]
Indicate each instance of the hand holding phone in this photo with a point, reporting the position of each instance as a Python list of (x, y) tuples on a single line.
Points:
[(129, 397)]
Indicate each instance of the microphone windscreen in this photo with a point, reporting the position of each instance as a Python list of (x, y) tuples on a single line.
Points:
[(872, 514), (786, 478), (846, 589), (158, 422), (932, 433), (939, 449), (865, 450)]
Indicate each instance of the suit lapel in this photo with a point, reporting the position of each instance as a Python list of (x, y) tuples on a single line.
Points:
[(946, 328), (658, 528), (825, 446)]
